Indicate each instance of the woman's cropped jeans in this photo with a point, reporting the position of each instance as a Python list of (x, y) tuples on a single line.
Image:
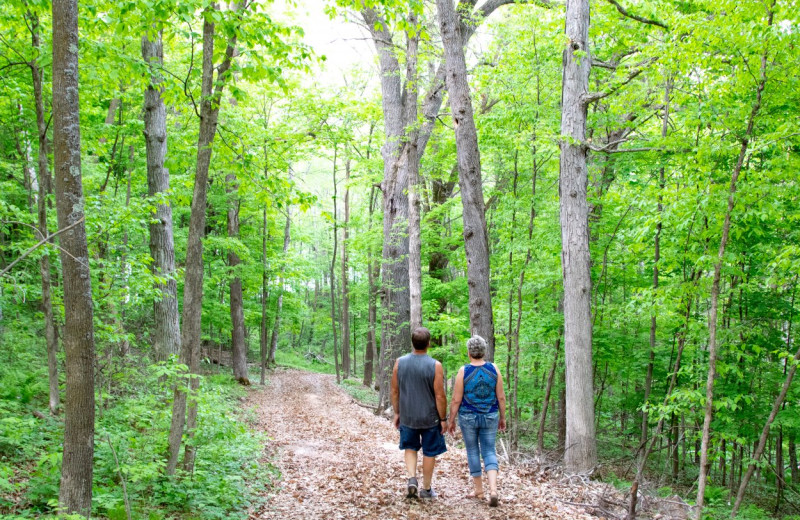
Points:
[(479, 431)]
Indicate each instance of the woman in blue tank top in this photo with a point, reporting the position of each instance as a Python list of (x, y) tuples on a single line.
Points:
[(480, 403)]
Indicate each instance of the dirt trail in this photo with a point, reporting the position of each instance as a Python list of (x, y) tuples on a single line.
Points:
[(339, 461)]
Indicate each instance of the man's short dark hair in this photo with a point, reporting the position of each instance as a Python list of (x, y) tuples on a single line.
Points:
[(421, 338)]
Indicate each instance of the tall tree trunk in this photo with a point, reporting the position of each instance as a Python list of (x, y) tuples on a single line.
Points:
[(412, 160), (345, 275), (548, 389), (395, 291), (581, 448), (264, 299), (648, 383), (279, 306), (476, 243), (776, 407), (211, 92), (715, 289), (373, 272), (166, 333), (332, 276), (50, 333), (238, 346), (75, 490), (793, 460)]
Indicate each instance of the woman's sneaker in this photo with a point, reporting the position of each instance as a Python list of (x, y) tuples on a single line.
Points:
[(412, 488), (427, 493)]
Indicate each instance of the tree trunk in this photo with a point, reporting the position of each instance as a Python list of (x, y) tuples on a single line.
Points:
[(546, 402), (715, 289), (345, 275), (373, 272), (264, 299), (238, 345), (279, 306), (395, 332), (50, 333), (332, 276), (413, 161), (193, 284), (75, 491), (166, 333), (648, 384), (580, 449), (476, 243)]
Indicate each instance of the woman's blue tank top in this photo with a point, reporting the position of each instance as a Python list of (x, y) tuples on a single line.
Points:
[(480, 383)]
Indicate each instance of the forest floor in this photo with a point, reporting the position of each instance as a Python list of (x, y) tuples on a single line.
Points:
[(340, 461)]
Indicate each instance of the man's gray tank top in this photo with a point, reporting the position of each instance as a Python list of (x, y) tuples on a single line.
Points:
[(415, 373)]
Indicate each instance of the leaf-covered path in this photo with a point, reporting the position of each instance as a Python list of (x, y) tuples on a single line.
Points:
[(338, 460)]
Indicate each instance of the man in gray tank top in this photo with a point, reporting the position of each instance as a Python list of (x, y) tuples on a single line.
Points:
[(420, 410)]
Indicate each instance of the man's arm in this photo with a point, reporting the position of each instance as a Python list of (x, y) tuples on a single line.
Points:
[(441, 396), (458, 395), (395, 395)]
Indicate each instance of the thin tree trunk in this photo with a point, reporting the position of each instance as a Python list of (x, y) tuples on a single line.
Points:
[(776, 407), (715, 290), (238, 345), (75, 490), (648, 384), (264, 298), (373, 272), (166, 333), (50, 334), (211, 92), (581, 448), (279, 305), (332, 276), (345, 275), (548, 390), (476, 243)]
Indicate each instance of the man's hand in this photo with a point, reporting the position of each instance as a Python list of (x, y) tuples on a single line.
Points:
[(444, 426), (396, 421), (502, 424)]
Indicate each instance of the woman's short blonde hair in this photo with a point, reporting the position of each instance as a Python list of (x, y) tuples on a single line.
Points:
[(476, 346)]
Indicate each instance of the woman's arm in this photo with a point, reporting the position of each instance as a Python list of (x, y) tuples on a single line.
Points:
[(458, 395), (501, 400)]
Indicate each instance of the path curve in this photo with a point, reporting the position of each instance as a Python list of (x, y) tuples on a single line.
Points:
[(339, 461)]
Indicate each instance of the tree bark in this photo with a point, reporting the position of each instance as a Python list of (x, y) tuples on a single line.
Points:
[(75, 491), (715, 290), (279, 305), (580, 449), (264, 299), (50, 332), (395, 332), (166, 333), (238, 346), (476, 243), (548, 389), (412, 161), (345, 275), (373, 272), (193, 285), (648, 383), (332, 277)]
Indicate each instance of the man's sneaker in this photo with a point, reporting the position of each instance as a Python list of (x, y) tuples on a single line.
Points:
[(427, 493), (412, 488)]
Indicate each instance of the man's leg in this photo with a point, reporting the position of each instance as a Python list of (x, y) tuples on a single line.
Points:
[(411, 463), (428, 463)]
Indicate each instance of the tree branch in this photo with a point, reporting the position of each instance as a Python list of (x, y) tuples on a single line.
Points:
[(37, 246), (628, 14)]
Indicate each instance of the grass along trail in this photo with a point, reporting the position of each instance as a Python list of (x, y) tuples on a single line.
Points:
[(338, 460)]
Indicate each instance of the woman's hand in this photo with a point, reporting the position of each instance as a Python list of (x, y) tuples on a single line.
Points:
[(502, 424)]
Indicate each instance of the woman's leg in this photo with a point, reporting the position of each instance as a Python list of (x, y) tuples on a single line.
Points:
[(487, 437), (470, 433)]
